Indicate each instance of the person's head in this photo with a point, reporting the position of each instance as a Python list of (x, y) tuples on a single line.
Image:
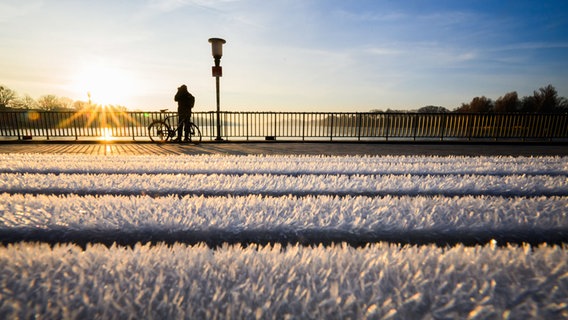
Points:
[(183, 87)]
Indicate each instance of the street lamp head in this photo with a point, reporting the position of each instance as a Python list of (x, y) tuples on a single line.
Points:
[(217, 47)]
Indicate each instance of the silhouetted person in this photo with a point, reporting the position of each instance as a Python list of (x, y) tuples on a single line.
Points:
[(185, 102)]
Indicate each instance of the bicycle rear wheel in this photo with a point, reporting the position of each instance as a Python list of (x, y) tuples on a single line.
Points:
[(195, 133), (159, 131)]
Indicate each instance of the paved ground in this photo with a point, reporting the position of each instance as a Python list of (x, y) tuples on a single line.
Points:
[(301, 148)]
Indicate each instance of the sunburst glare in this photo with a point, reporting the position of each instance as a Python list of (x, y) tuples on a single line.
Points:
[(107, 134), (104, 84)]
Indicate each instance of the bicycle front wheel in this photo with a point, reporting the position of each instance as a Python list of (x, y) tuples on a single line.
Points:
[(159, 131), (195, 133)]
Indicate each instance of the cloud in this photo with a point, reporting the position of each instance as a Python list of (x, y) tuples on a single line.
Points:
[(425, 54), (448, 18), (372, 16), (383, 51), (533, 46)]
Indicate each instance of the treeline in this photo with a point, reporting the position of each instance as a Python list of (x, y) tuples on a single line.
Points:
[(543, 100), (10, 100)]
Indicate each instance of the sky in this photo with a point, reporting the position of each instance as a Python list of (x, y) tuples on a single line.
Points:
[(284, 55)]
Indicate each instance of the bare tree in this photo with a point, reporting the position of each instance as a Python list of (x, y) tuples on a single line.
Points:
[(7, 97), (26, 102), (48, 102), (65, 103), (80, 105)]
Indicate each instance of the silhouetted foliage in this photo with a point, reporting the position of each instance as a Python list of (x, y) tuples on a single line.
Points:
[(477, 105), (543, 100), (389, 110), (508, 103), (546, 99), (528, 104), (433, 109), (562, 105)]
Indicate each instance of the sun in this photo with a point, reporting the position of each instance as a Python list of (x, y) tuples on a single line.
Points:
[(104, 85)]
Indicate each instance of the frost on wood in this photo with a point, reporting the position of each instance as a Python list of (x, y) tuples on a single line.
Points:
[(281, 165), (347, 218), (282, 196), (271, 282), (221, 184)]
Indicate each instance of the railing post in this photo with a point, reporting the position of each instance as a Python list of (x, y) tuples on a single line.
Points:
[(75, 128), (359, 125), (275, 125), (387, 120), (44, 120), (415, 124), (303, 126), (496, 124), (20, 135), (247, 124), (331, 128), (131, 125), (469, 126), (443, 127), (550, 126)]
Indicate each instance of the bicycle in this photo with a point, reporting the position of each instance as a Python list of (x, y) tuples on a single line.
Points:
[(161, 130)]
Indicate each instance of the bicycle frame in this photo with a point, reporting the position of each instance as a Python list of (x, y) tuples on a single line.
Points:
[(173, 130), (174, 123)]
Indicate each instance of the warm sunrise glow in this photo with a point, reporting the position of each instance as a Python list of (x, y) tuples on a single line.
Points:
[(107, 134), (103, 85), (317, 55)]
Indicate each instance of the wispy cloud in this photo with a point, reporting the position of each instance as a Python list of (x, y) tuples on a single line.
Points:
[(422, 53), (300, 51), (532, 46), (372, 16), (447, 18), (383, 51)]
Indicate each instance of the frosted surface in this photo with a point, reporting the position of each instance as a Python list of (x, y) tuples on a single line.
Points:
[(283, 197)]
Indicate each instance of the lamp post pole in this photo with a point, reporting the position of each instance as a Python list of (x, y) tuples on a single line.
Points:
[(218, 104), (217, 51)]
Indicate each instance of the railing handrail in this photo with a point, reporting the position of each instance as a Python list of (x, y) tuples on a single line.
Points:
[(22, 124)]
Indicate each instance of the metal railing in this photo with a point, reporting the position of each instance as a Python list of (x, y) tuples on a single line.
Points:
[(291, 125)]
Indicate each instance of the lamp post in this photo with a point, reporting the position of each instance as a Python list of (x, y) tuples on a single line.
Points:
[(217, 51)]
